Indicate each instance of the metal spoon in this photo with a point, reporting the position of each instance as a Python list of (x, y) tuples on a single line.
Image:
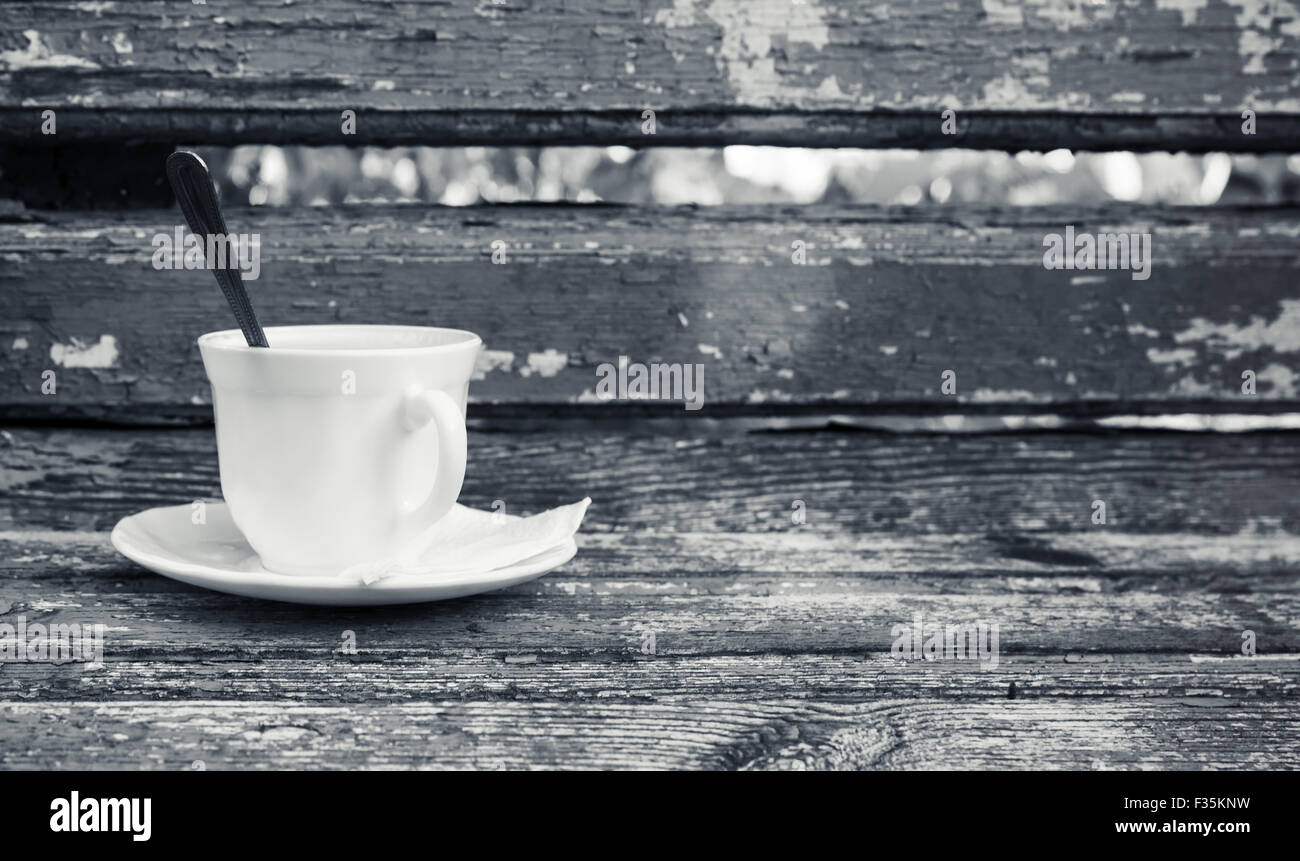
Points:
[(192, 183)]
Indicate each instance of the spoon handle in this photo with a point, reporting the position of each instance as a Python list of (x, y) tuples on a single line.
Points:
[(197, 196)]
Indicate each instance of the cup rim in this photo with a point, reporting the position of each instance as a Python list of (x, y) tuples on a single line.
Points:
[(233, 341)]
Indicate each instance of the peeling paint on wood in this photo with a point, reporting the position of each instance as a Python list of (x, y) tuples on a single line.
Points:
[(738, 70), (889, 299), (1120, 641), (79, 354)]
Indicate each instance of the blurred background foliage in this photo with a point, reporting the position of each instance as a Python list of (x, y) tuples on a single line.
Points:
[(321, 176)]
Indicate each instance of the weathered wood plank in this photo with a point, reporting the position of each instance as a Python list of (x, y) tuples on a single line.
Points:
[(997, 734), (1119, 645), (394, 676), (561, 619), (603, 605), (1018, 496), (889, 300), (577, 618), (1011, 131), (1079, 563), (1144, 74)]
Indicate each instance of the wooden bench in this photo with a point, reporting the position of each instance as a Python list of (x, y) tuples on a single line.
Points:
[(830, 489)]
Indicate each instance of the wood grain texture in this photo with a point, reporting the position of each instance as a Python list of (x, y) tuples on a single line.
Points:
[(584, 613), (1119, 645), (1144, 74), (551, 674), (887, 301), (385, 674), (860, 490), (696, 734)]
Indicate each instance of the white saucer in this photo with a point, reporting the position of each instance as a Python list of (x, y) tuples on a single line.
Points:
[(215, 555)]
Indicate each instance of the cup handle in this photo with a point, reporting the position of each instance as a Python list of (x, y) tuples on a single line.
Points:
[(431, 405)]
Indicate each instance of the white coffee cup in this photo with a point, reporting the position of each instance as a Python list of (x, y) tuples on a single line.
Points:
[(339, 445)]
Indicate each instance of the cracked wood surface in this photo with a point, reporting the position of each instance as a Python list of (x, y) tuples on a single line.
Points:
[(888, 300), (1171, 74), (699, 734), (581, 613), (1020, 496), (1119, 644)]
